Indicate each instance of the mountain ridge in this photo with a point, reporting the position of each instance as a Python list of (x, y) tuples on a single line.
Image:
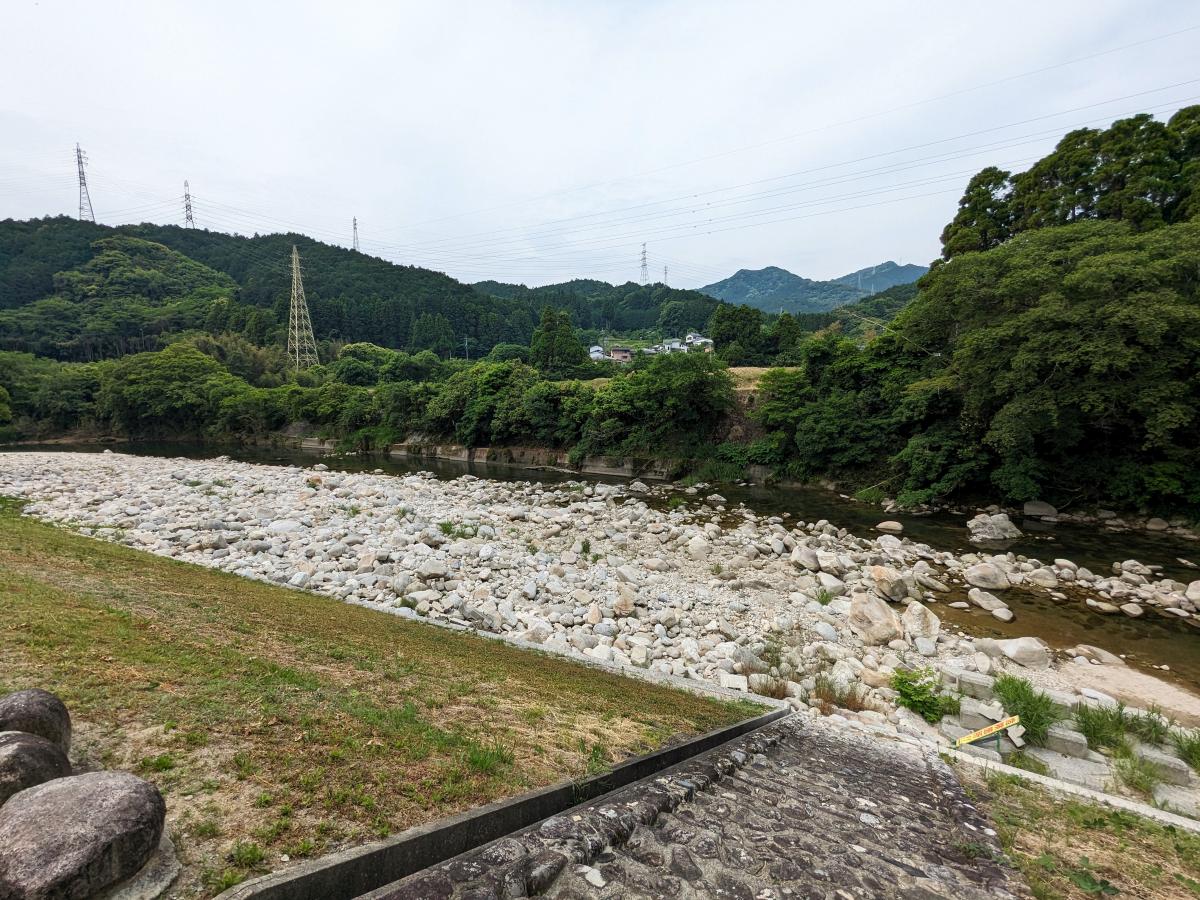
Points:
[(775, 289)]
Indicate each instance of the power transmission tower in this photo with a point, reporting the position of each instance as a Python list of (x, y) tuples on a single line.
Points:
[(188, 221), (665, 277), (301, 346), (466, 349), (356, 232), (645, 270), (85, 199)]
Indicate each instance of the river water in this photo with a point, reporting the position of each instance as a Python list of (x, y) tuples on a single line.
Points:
[(1151, 640)]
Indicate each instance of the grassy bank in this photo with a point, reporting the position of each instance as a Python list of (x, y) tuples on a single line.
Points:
[(1069, 848), (283, 724)]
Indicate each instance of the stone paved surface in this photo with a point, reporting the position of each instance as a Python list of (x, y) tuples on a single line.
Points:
[(803, 808)]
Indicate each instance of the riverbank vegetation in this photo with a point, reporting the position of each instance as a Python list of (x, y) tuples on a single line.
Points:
[(282, 722), (1052, 354)]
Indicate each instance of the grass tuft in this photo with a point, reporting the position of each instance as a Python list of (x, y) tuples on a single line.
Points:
[(1187, 746), (1104, 727), (1037, 711)]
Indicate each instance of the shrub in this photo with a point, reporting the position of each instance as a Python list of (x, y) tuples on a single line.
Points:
[(1104, 727), (918, 691), (1036, 709)]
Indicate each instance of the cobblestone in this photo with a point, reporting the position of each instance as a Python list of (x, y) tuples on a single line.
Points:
[(802, 808)]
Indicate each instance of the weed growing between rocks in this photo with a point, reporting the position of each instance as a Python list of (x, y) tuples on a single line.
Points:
[(1187, 746), (1104, 727), (829, 696), (918, 690), (1037, 711), (1150, 726), (1028, 762), (1139, 775)]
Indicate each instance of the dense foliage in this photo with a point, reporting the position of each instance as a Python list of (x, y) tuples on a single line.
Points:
[(78, 291), (1139, 170), (1062, 364), (597, 306), (369, 397)]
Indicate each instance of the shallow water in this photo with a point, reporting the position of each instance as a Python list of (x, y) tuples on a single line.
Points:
[(1153, 639)]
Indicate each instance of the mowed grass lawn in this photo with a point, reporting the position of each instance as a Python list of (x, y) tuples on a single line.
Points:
[(283, 724)]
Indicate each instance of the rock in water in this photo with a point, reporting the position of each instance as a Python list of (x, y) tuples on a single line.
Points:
[(988, 576), (77, 836), (999, 527), (1040, 509), (890, 527), (37, 712), (874, 620), (27, 760)]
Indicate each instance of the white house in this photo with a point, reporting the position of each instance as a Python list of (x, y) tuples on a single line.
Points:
[(596, 352)]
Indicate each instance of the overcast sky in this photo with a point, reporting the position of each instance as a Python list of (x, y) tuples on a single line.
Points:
[(540, 141)]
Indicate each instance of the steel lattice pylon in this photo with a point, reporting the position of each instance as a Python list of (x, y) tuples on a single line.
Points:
[(301, 347)]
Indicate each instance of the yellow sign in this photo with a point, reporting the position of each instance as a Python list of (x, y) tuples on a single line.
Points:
[(990, 729)]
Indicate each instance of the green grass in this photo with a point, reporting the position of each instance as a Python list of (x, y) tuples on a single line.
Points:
[(1104, 727), (1187, 746), (1150, 726), (1028, 762), (1037, 711), (303, 721), (1071, 849), (1139, 775)]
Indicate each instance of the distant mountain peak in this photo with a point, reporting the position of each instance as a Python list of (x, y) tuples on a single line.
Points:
[(773, 288)]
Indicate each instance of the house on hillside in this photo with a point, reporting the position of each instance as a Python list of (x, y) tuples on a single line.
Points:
[(698, 343), (596, 352), (620, 354)]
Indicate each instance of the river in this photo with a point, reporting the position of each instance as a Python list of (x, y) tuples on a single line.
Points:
[(1151, 640)]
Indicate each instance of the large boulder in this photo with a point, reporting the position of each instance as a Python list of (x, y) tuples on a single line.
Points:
[(988, 576), (985, 528), (889, 583), (27, 760), (1039, 509), (920, 622), (1031, 652), (37, 712), (77, 836), (873, 620)]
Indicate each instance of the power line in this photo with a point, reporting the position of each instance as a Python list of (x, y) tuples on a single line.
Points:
[(85, 199), (301, 345), (188, 221)]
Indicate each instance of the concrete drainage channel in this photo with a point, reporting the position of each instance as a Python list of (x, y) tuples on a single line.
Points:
[(361, 870)]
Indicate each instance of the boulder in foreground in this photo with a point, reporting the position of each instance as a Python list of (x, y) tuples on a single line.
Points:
[(37, 712), (27, 760), (75, 837)]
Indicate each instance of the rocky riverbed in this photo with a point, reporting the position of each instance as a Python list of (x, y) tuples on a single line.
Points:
[(683, 586)]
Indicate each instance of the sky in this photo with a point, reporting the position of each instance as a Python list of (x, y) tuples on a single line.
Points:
[(537, 142)]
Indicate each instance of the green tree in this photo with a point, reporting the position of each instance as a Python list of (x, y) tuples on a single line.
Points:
[(555, 349)]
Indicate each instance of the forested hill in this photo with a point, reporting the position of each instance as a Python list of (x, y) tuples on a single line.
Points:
[(774, 289), (875, 279), (619, 307), (352, 297)]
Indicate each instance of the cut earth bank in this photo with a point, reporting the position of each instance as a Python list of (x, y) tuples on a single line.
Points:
[(805, 611)]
